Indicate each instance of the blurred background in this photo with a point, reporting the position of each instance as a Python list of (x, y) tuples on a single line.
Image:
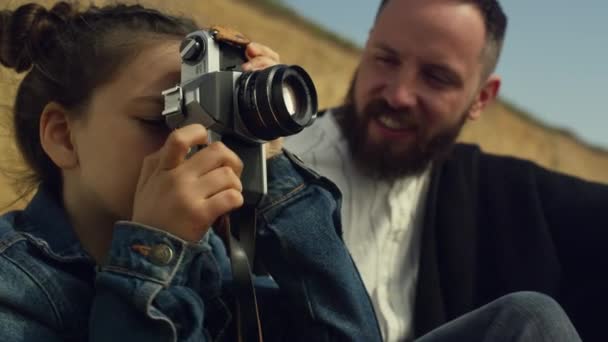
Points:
[(553, 67)]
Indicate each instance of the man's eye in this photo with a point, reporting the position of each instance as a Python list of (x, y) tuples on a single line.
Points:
[(441, 77), (385, 60), (437, 78)]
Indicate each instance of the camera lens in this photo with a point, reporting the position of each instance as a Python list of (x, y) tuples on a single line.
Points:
[(277, 101), (290, 99)]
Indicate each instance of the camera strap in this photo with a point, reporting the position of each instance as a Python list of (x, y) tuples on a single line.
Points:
[(229, 35), (241, 250), (239, 239)]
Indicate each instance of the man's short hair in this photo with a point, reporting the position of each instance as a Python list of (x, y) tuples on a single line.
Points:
[(495, 22)]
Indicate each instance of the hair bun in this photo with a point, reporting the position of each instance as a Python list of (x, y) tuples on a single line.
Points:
[(29, 33)]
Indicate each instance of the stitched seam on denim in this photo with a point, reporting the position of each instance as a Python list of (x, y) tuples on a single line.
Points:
[(165, 283), (128, 272), (10, 241), (284, 198), (298, 163), (141, 226), (163, 318), (36, 282), (222, 331), (178, 263), (46, 248)]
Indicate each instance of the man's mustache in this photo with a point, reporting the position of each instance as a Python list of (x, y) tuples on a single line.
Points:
[(404, 116)]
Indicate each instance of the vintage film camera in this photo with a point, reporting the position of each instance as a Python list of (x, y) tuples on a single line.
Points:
[(242, 109)]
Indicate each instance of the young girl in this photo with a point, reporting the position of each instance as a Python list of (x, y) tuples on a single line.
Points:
[(116, 243)]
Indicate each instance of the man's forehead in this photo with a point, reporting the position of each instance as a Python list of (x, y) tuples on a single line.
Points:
[(445, 32), (383, 3), (431, 22)]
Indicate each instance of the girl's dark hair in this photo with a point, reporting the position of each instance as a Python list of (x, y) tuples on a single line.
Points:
[(67, 53)]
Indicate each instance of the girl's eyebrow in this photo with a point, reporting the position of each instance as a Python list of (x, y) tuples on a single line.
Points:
[(156, 99)]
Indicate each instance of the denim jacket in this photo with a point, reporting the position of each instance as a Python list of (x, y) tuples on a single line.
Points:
[(157, 287)]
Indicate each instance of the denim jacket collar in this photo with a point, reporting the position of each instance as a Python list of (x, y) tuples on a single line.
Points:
[(46, 223)]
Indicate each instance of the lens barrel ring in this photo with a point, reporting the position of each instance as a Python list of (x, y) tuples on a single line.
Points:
[(263, 104)]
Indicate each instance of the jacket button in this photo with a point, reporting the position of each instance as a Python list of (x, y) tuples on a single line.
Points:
[(161, 254)]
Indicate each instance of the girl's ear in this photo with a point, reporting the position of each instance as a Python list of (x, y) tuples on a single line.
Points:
[(56, 136)]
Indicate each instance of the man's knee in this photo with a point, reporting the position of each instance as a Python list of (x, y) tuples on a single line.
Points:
[(531, 304), (538, 316)]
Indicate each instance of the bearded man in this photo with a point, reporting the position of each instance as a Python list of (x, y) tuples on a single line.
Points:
[(436, 228)]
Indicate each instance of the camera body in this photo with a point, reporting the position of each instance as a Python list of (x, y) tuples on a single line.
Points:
[(244, 110)]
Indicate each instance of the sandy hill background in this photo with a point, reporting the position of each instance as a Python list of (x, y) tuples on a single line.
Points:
[(503, 129)]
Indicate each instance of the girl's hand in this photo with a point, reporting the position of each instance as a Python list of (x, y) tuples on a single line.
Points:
[(185, 196), (259, 57)]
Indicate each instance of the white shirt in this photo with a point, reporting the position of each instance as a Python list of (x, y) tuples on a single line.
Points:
[(382, 224)]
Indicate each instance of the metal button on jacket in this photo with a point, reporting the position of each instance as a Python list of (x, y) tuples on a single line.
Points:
[(161, 254)]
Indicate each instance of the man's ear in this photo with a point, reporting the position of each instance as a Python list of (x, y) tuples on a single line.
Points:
[(488, 92), (56, 136)]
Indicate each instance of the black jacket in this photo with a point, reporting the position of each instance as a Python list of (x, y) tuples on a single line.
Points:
[(495, 225)]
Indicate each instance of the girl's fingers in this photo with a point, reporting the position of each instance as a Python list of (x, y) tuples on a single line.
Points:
[(179, 142), (254, 49), (214, 156), (216, 181)]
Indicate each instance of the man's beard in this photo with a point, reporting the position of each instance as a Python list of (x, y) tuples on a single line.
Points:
[(378, 160)]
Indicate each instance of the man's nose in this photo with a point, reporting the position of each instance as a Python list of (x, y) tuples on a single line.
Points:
[(401, 90)]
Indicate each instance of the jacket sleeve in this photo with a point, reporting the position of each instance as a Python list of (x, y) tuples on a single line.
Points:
[(565, 220), (143, 291), (299, 242), (576, 212)]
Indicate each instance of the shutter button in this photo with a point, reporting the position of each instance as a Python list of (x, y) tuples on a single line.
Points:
[(161, 254)]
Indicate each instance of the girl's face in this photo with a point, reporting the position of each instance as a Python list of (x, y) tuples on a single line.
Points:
[(121, 126)]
